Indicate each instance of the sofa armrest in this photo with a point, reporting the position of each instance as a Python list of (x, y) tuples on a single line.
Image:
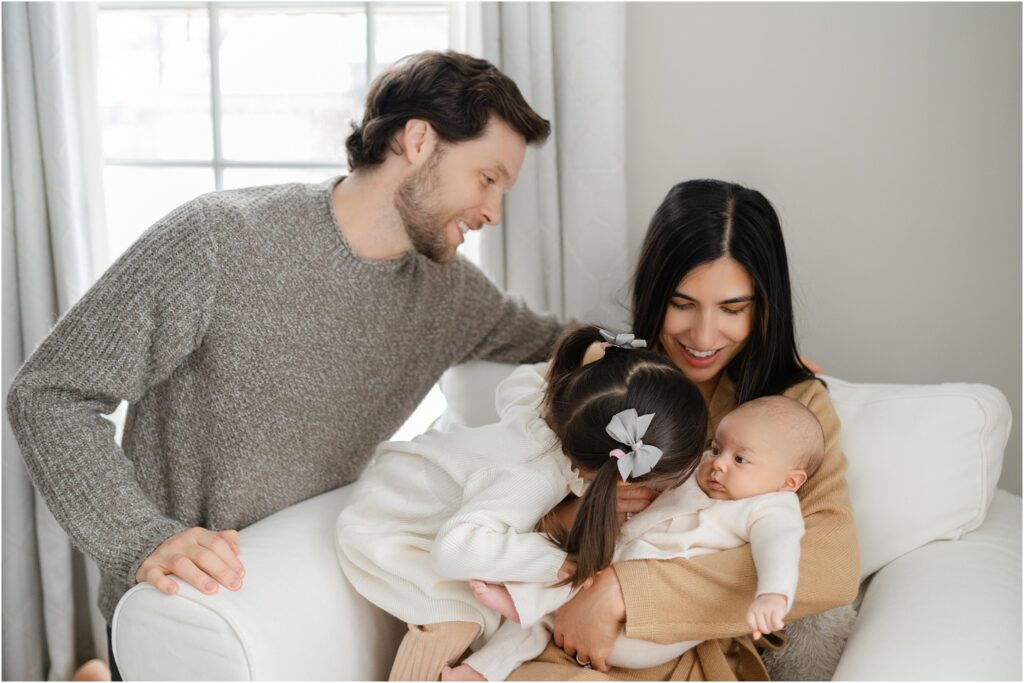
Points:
[(296, 617), (949, 610)]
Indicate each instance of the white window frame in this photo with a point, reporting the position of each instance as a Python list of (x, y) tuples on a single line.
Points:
[(465, 29)]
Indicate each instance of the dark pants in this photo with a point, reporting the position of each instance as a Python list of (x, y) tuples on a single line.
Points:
[(115, 675)]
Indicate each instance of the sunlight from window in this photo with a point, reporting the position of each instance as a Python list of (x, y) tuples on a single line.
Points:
[(295, 101), (154, 84), (404, 31)]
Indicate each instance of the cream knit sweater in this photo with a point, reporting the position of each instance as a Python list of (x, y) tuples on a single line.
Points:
[(429, 514)]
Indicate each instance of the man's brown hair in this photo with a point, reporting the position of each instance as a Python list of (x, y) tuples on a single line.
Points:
[(455, 93)]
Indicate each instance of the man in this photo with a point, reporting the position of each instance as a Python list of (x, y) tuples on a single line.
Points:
[(266, 339)]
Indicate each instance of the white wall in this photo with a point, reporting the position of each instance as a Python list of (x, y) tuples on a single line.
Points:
[(888, 137)]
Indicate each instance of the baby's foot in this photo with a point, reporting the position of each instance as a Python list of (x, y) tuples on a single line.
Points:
[(495, 596), (463, 672)]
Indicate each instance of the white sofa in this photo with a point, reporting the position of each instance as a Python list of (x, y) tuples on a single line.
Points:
[(940, 545)]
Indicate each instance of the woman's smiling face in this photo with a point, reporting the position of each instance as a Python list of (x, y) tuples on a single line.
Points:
[(708, 320)]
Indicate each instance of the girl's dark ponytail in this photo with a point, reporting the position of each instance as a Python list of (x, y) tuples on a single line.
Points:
[(593, 534)]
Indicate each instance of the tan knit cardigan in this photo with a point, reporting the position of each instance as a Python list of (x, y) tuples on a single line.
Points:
[(707, 597)]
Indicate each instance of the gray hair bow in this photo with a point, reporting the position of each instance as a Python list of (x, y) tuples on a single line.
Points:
[(626, 340), (628, 428)]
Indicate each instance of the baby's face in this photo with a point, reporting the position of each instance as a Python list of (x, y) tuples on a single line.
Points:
[(748, 457)]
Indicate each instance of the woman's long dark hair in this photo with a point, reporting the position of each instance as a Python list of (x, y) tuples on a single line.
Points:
[(699, 222), (579, 403)]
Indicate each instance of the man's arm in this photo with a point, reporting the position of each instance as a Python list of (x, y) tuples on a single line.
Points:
[(128, 333), (506, 329)]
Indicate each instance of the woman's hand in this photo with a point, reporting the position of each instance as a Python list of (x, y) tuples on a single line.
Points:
[(631, 499), (586, 627)]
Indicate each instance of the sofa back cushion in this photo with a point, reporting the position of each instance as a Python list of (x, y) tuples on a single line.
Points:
[(923, 459)]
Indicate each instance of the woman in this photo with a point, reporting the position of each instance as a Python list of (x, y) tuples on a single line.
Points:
[(712, 287)]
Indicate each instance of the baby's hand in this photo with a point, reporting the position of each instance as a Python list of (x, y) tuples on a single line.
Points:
[(765, 614)]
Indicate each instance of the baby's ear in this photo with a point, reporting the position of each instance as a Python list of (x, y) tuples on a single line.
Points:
[(794, 480)]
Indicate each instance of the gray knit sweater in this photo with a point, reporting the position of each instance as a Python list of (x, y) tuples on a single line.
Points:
[(262, 361)]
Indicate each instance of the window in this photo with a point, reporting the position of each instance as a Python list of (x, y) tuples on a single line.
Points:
[(197, 97)]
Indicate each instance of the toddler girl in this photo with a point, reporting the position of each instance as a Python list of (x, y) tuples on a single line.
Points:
[(430, 514)]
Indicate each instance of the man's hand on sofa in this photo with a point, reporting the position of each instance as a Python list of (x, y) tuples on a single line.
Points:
[(201, 557)]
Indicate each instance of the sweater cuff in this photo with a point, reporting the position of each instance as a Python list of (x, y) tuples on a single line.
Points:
[(635, 582), (142, 544)]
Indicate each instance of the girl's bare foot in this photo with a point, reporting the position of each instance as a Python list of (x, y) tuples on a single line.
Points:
[(495, 596), (463, 672)]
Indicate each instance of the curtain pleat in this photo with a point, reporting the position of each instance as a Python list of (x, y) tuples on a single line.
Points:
[(52, 243), (563, 241)]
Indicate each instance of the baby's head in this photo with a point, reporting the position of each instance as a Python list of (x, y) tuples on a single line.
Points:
[(769, 444), (596, 391)]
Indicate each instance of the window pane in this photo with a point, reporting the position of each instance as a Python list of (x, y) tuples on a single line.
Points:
[(154, 84), (291, 81), (402, 31), (136, 197), (250, 177)]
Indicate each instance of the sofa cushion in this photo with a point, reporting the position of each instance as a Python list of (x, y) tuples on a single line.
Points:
[(469, 390), (946, 611), (924, 459), (296, 618)]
